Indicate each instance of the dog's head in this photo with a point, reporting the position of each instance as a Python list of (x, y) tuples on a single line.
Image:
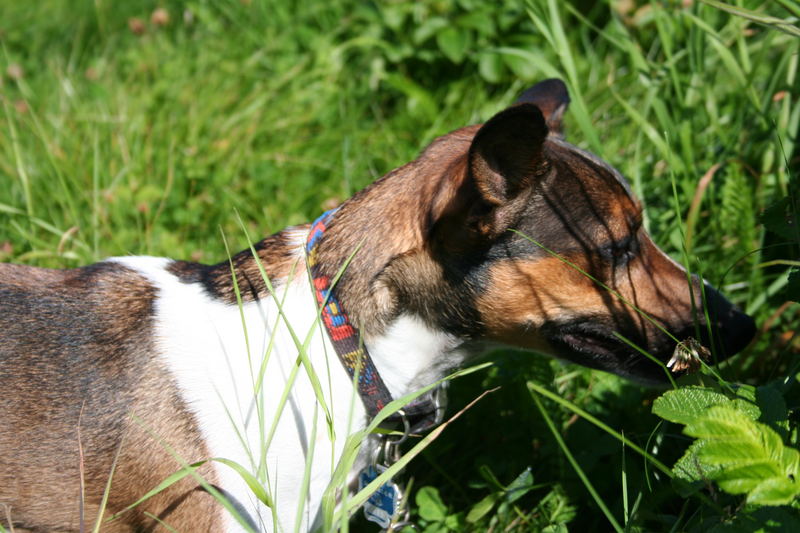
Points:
[(546, 243)]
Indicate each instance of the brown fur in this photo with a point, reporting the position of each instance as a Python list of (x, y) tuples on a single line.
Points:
[(499, 232), (81, 385), (435, 239)]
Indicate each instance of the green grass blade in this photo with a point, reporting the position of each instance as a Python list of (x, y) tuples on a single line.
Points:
[(575, 466), (538, 389), (766, 20)]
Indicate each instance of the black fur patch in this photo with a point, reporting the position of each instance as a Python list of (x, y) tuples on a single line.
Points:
[(277, 260)]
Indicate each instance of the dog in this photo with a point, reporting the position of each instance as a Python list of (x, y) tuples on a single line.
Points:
[(119, 374)]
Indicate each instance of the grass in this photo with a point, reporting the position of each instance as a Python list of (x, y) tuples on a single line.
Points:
[(123, 133)]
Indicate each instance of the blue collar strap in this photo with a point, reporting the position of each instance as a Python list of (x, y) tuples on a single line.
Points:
[(422, 413)]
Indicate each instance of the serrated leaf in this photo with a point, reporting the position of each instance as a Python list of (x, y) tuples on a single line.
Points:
[(751, 456), (791, 461), (748, 408), (734, 452), (745, 401), (746, 392), (742, 479), (723, 422), (692, 468), (683, 406), (774, 491)]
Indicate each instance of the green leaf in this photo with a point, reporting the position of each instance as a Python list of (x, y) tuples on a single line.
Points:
[(780, 219), (521, 64), (772, 405), (431, 506), (750, 456), (743, 479), (683, 406), (746, 392), (394, 16), (774, 491), (733, 452), (746, 401), (791, 461), (253, 484), (491, 67), (452, 522), (722, 422), (480, 509), (428, 28), (454, 43), (748, 407), (520, 486), (478, 20), (419, 100), (556, 528), (692, 468)]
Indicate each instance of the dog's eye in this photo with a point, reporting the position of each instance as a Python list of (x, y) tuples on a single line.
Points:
[(621, 251)]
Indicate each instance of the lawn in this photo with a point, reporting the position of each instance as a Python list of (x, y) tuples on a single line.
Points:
[(154, 127)]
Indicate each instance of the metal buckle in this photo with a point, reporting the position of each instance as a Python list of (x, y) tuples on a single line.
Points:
[(387, 453), (406, 430), (439, 400)]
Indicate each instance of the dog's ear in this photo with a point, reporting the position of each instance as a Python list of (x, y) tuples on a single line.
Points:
[(552, 98), (506, 153)]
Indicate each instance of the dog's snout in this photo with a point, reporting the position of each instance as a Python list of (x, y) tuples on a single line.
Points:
[(733, 329)]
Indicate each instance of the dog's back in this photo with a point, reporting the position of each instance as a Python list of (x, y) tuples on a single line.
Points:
[(76, 361)]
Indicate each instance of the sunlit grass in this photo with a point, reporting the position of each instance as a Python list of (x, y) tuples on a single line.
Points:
[(148, 137)]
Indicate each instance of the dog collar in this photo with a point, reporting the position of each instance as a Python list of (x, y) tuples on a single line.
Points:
[(424, 412)]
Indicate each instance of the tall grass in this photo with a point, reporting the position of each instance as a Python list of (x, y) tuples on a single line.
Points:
[(121, 133)]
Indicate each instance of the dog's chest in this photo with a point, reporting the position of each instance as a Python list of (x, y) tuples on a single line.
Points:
[(261, 380)]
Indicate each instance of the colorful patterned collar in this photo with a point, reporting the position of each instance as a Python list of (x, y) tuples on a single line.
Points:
[(424, 412)]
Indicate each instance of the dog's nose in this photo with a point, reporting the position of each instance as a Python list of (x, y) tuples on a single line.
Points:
[(733, 329)]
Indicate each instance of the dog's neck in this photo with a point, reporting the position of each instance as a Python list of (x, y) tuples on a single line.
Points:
[(392, 220), (409, 354)]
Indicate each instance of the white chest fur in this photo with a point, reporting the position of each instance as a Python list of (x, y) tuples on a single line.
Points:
[(260, 377), (233, 365)]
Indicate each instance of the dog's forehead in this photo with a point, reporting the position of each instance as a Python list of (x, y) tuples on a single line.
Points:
[(583, 203), (561, 143)]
